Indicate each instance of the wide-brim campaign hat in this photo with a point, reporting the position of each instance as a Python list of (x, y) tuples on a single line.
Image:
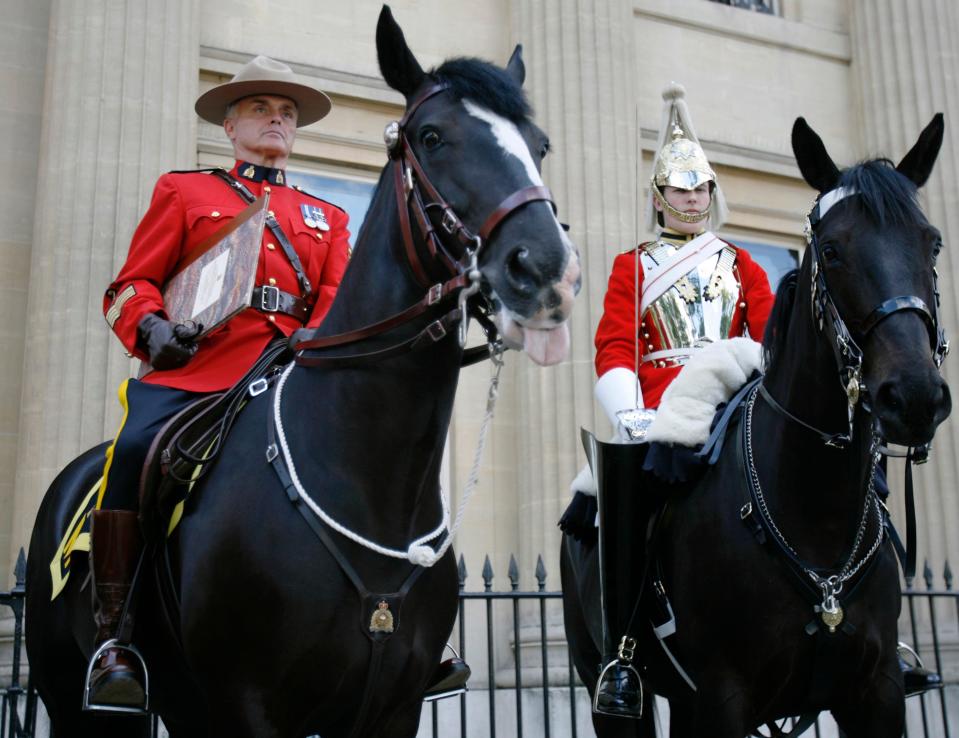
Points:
[(263, 76)]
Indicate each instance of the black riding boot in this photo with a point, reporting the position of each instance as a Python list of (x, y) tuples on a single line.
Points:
[(624, 512), (916, 678), (116, 677), (448, 680)]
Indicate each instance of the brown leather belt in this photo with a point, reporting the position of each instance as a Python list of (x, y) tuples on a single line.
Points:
[(270, 299)]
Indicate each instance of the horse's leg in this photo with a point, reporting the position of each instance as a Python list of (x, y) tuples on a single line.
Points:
[(716, 720), (403, 723), (881, 713)]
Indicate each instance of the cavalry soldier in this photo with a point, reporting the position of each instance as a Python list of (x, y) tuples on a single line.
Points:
[(303, 255), (666, 299)]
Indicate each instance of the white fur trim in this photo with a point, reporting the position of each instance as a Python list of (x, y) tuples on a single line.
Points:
[(618, 389), (584, 482), (709, 379)]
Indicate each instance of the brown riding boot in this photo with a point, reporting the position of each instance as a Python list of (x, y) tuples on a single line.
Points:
[(115, 545)]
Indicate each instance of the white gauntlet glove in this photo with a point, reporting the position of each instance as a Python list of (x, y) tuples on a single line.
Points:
[(619, 393)]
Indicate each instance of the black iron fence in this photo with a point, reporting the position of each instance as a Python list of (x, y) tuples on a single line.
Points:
[(523, 679)]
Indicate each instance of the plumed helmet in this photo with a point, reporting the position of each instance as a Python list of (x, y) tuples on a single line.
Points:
[(681, 162)]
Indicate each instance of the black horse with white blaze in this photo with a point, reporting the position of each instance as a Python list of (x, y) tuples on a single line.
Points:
[(784, 586), (279, 630)]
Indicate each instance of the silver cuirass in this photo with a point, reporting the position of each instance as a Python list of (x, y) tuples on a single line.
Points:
[(696, 310)]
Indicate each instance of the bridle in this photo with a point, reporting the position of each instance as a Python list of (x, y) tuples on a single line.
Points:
[(848, 356), (844, 342), (451, 249)]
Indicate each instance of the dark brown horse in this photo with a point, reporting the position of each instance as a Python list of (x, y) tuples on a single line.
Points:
[(271, 634), (755, 620)]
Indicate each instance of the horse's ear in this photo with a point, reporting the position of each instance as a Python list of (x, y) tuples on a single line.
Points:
[(917, 164), (814, 162), (515, 67), (397, 64)]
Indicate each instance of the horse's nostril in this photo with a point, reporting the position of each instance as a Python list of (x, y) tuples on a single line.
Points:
[(888, 397), (520, 271)]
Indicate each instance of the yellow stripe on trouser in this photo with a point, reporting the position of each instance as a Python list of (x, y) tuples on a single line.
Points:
[(75, 539), (124, 403)]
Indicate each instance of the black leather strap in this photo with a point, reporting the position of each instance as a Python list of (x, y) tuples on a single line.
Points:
[(306, 289), (270, 299)]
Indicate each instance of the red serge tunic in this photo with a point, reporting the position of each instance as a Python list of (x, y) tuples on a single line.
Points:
[(187, 208), (616, 335)]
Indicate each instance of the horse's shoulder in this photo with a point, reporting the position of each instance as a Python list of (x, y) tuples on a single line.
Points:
[(320, 199)]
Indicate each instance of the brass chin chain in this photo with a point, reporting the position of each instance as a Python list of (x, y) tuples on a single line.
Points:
[(679, 214)]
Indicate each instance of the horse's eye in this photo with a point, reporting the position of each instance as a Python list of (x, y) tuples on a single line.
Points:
[(545, 149), (430, 139), (830, 254)]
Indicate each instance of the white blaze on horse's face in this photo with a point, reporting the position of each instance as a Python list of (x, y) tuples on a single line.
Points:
[(545, 335)]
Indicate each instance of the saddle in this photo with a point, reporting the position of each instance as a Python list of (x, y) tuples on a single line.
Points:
[(187, 446)]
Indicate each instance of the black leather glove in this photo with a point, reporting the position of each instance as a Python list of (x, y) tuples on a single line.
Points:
[(170, 345), (298, 336)]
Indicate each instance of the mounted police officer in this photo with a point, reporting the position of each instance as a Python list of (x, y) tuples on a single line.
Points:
[(666, 300), (303, 255)]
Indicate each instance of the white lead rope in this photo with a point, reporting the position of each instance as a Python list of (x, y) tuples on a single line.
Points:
[(418, 552)]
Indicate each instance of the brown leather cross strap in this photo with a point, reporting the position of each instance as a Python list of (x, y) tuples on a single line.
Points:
[(306, 289), (437, 294)]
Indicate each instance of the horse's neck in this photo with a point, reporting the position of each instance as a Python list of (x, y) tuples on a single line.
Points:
[(375, 433), (815, 491)]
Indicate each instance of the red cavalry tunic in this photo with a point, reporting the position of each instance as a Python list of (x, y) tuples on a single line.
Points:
[(187, 208), (616, 335)]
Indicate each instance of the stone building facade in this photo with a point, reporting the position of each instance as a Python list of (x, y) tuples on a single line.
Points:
[(99, 102)]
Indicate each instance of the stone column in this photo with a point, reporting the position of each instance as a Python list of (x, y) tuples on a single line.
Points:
[(579, 61), (118, 111), (905, 69)]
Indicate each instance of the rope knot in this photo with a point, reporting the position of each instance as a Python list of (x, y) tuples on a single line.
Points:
[(421, 555)]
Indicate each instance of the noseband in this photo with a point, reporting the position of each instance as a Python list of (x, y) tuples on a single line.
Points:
[(845, 343), (450, 245)]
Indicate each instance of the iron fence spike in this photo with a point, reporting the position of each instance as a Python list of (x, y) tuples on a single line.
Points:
[(947, 574), (927, 574), (540, 572), (487, 574), (461, 571), (513, 572), (20, 570)]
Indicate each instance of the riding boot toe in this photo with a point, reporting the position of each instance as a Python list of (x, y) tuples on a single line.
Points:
[(115, 680), (918, 680), (619, 692), (448, 680)]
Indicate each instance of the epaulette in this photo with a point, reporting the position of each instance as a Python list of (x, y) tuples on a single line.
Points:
[(208, 170), (310, 194), (631, 249)]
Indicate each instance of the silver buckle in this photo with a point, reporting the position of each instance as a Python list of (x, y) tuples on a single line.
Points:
[(258, 387), (436, 292), (435, 330), (271, 452), (449, 221), (269, 298)]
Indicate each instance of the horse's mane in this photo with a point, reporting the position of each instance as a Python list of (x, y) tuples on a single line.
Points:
[(887, 196), (485, 84), (778, 320)]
